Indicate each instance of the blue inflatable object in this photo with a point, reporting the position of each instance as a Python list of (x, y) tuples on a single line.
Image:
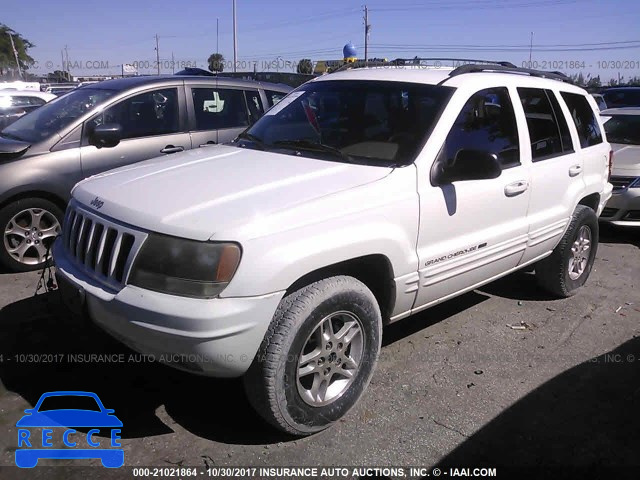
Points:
[(349, 51)]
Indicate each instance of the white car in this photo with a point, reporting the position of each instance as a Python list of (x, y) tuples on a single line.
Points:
[(361, 198), (623, 131), (16, 103)]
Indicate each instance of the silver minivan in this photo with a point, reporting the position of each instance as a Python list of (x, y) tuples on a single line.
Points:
[(102, 126)]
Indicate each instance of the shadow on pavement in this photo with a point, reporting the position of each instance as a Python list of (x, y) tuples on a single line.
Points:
[(408, 326), (211, 408), (520, 285), (621, 235), (584, 417)]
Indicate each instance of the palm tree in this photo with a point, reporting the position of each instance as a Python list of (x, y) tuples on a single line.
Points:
[(305, 66), (216, 62)]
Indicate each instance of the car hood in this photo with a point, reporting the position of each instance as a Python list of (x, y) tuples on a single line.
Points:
[(197, 193), (69, 418), (626, 160), (12, 148)]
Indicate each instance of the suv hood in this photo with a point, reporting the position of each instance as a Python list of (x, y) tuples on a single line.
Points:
[(197, 193), (626, 160)]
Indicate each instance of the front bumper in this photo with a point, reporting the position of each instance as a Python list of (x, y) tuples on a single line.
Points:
[(216, 337), (623, 208)]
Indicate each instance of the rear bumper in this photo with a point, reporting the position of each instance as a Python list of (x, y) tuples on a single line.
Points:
[(216, 337), (623, 209)]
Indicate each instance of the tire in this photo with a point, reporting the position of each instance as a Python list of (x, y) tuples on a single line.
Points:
[(274, 386), (553, 273), (17, 221)]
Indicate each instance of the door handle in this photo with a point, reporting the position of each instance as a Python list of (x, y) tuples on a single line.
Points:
[(575, 170), (171, 149), (516, 188), (210, 142)]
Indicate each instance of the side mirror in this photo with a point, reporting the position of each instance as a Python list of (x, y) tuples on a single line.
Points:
[(106, 135), (468, 164)]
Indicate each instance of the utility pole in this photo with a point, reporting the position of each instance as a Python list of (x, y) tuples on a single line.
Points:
[(66, 61), (15, 53), (530, 50), (367, 29), (217, 35), (64, 67), (157, 54), (235, 38)]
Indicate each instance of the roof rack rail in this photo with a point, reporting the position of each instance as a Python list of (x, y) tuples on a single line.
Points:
[(420, 61), (474, 68), (435, 60)]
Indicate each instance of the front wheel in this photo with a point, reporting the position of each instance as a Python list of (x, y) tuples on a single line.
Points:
[(317, 357), (29, 227), (569, 266)]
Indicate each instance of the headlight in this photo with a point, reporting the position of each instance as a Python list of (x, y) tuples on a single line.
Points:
[(635, 183), (185, 267)]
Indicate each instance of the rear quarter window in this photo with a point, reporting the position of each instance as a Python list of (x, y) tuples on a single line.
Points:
[(584, 118)]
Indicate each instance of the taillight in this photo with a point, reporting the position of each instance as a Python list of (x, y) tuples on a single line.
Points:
[(610, 164)]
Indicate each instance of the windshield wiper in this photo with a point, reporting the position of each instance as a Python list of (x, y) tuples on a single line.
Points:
[(253, 139), (314, 147)]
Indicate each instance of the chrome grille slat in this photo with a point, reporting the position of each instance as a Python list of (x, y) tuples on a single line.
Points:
[(87, 249), (621, 183), (114, 255), (100, 252), (79, 237), (103, 249), (73, 234)]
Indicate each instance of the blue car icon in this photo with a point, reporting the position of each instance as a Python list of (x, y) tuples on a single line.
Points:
[(92, 414)]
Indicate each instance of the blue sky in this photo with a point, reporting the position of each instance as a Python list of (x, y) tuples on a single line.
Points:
[(99, 33)]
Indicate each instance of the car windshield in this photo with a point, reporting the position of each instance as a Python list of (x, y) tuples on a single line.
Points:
[(380, 123), (622, 98), (623, 129), (69, 402), (56, 115)]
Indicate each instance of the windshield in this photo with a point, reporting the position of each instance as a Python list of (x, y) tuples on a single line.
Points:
[(56, 115), (374, 122), (622, 98), (623, 129), (69, 402)]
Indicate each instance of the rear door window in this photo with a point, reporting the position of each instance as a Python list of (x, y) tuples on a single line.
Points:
[(548, 131), (584, 119), (217, 108)]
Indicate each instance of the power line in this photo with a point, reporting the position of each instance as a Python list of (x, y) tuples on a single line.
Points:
[(474, 6)]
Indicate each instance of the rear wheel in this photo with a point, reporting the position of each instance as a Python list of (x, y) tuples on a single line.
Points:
[(317, 357), (569, 266), (29, 227)]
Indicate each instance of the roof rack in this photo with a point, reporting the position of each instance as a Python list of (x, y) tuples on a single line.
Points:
[(470, 66), (474, 68), (436, 62)]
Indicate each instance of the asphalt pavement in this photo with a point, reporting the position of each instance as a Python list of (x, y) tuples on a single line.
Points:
[(503, 376)]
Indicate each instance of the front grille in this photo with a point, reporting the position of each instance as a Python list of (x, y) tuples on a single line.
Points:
[(608, 212), (633, 215), (102, 248), (620, 184)]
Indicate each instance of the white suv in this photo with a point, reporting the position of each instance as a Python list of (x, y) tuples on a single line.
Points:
[(361, 198)]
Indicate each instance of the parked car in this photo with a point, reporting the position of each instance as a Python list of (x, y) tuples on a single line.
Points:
[(103, 126), (623, 131), (620, 97), (361, 198), (57, 89), (16, 103), (602, 104)]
